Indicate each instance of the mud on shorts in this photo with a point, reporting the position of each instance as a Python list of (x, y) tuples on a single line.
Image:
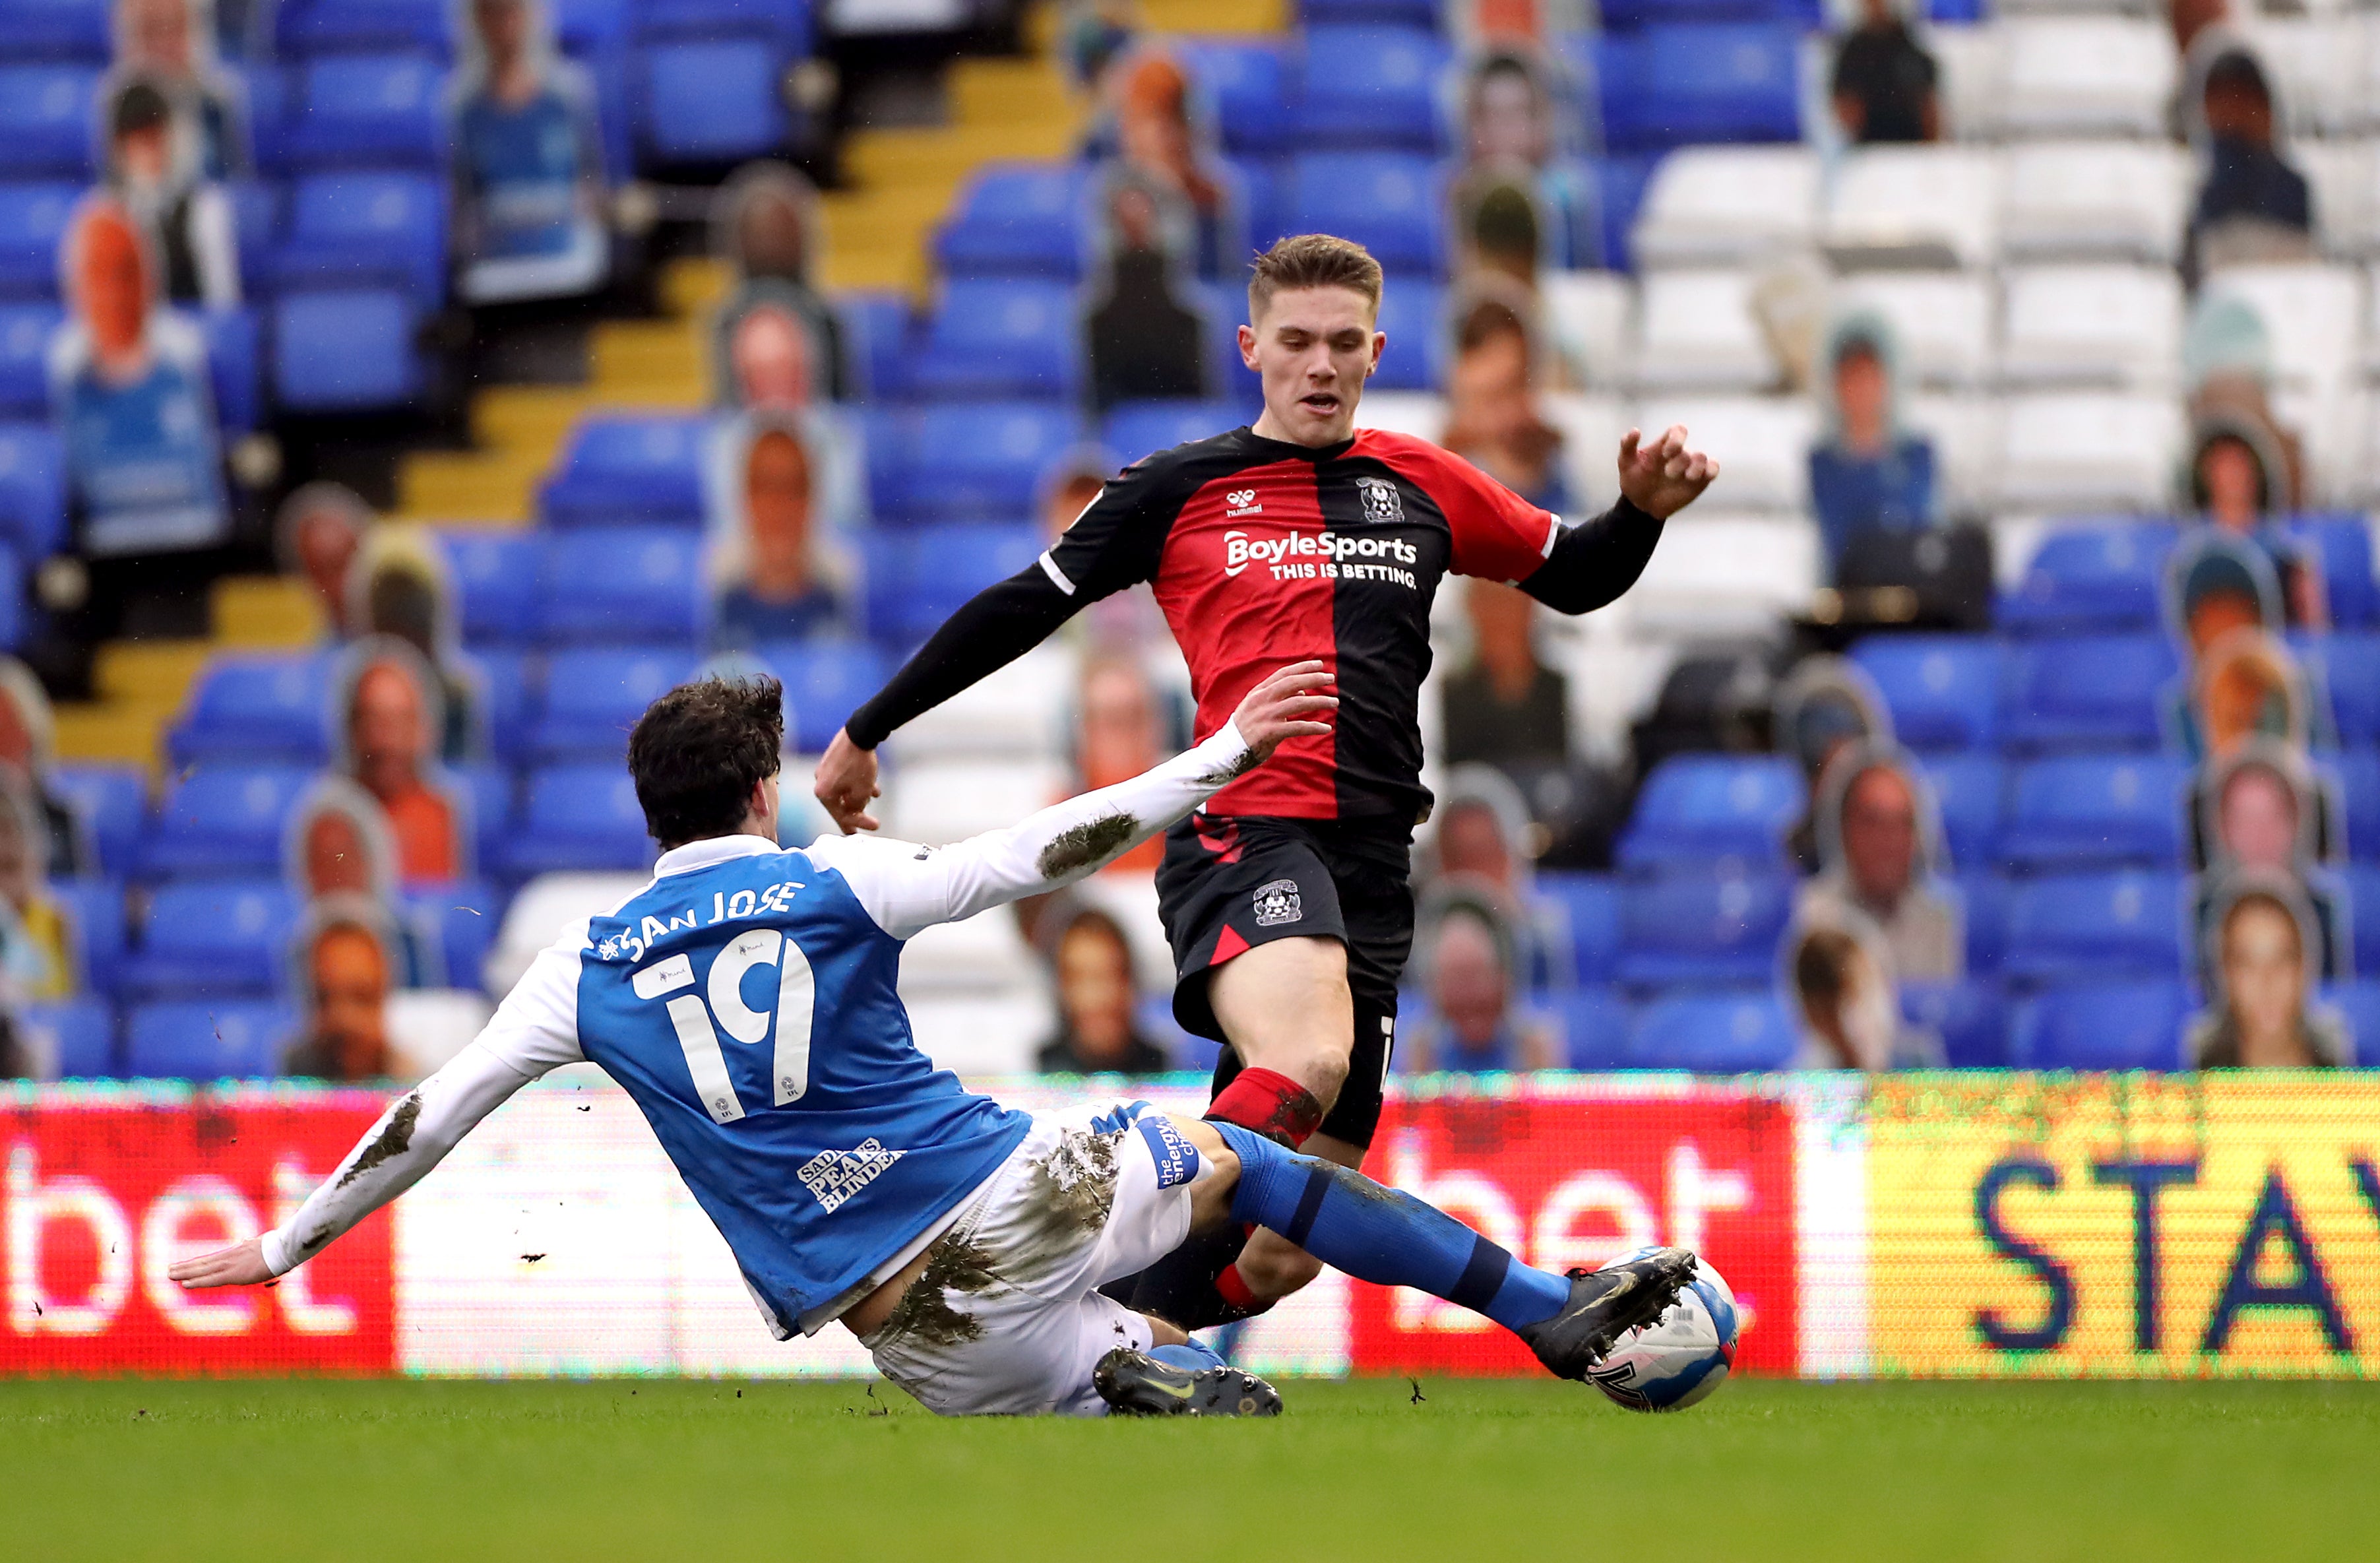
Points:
[(1229, 883), (1006, 1318)]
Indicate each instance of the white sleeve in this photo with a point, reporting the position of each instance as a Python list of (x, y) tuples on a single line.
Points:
[(218, 252), (535, 1030), (908, 888)]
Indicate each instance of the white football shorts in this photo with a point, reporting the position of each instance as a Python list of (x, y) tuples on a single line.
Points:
[(1007, 1318)]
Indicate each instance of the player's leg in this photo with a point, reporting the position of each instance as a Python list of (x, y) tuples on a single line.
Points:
[(1391, 1239)]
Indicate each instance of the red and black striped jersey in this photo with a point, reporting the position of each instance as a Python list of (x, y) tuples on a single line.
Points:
[(1263, 553)]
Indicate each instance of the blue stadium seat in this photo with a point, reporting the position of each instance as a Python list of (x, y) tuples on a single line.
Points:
[(2102, 577), (2364, 899), (1017, 219), (1412, 310), (306, 27), (636, 585), (346, 351), (825, 683), (2101, 1026), (490, 789), (25, 333), (1372, 87), (2092, 691), (258, 213), (1138, 429), (47, 120), (367, 111), (255, 708), (1969, 790), (81, 1033), (112, 804), (465, 918), (223, 820), (622, 469), (1246, 86), (918, 578), (1943, 690), (2359, 1005), (711, 101), (32, 488), (1673, 86), (2343, 543), (1627, 15), (1969, 1018), (235, 350), (1713, 1034), (500, 684), (32, 221), (1586, 908), (1002, 336), (204, 1040), (1595, 1024), (986, 458), (2085, 925), (2078, 810), (95, 907), (351, 228), (579, 818), (2349, 670), (218, 936), (1259, 182), (1702, 927), (787, 22), (57, 30), (593, 697), (1701, 807), (1423, 14), (1985, 900), (495, 577), (1388, 202), (875, 329), (2358, 774), (1620, 180)]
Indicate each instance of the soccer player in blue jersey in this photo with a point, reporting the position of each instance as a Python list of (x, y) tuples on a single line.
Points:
[(745, 1000)]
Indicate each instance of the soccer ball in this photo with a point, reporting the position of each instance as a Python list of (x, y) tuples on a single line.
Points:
[(1682, 1357)]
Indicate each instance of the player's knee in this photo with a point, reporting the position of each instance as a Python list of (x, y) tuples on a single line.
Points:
[(1219, 1173)]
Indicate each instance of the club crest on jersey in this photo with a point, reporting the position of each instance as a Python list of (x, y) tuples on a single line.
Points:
[(1381, 500), (1278, 903), (1243, 502)]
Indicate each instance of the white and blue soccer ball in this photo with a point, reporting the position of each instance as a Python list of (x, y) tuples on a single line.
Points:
[(1680, 1358)]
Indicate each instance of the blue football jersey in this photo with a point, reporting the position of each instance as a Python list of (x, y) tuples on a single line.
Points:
[(749, 1009), (523, 167)]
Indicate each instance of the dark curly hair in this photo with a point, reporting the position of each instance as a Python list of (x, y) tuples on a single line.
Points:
[(699, 750)]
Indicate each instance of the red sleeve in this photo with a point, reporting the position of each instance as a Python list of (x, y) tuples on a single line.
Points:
[(1497, 534)]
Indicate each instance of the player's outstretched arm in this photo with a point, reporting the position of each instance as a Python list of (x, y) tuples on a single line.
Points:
[(908, 888), (413, 1136), (1591, 566)]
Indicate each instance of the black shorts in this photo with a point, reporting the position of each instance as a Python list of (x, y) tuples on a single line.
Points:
[(1229, 883)]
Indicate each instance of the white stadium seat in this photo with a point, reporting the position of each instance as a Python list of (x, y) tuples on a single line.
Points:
[(2315, 67), (1943, 321), (1588, 321), (1929, 205), (2088, 450), (1762, 444), (1966, 434), (1018, 709), (2091, 324), (1421, 414), (1591, 428), (1967, 89), (2073, 8), (1717, 575), (544, 905), (1719, 203), (938, 801), (978, 1035), (1696, 330), (2085, 76), (2330, 427), (2346, 179), (2112, 200), (985, 954), (2313, 316)]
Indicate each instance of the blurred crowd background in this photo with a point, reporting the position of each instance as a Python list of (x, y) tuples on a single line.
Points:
[(395, 396)]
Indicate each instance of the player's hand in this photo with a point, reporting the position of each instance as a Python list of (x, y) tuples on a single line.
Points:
[(1286, 705), (846, 783), (242, 1265), (1664, 477)]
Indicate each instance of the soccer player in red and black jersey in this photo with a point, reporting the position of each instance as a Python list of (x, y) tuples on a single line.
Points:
[(1286, 898)]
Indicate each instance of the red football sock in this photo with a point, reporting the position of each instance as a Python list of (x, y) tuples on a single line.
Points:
[(1234, 1288), (1269, 1102)]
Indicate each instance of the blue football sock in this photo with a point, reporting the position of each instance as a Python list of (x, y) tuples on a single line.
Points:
[(1381, 1235), (1190, 1355)]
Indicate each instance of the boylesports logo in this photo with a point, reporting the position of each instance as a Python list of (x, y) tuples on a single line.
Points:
[(1243, 502), (1278, 903), (1330, 555)]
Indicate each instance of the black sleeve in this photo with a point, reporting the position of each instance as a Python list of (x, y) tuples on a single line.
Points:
[(1593, 563), (1114, 542)]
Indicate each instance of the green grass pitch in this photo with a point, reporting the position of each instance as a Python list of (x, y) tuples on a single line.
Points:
[(1358, 1471)]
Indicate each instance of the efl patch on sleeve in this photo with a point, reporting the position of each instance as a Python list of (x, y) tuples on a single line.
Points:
[(1176, 1158)]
